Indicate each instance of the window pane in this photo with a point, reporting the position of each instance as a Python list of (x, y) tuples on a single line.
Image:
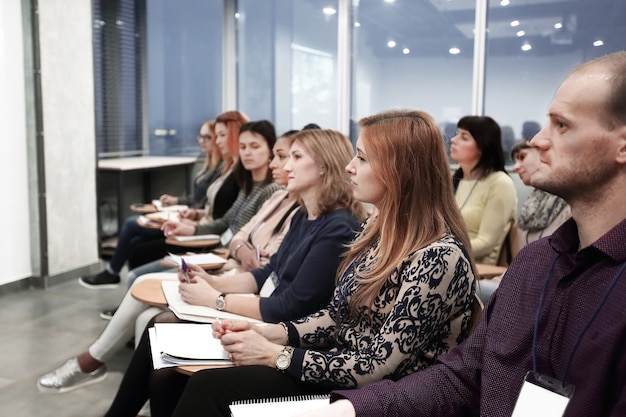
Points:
[(118, 44), (286, 69), (427, 65), (533, 45), (184, 72)]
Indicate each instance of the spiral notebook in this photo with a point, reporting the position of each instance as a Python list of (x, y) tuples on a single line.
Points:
[(284, 406)]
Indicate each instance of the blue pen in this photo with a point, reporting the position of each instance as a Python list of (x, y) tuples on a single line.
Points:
[(185, 270)]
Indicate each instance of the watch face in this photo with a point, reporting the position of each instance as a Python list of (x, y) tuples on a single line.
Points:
[(220, 303), (282, 361)]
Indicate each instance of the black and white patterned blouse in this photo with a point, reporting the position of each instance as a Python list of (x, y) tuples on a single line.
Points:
[(423, 310)]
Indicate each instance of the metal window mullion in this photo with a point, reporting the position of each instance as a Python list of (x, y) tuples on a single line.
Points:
[(344, 75), (229, 56), (480, 46)]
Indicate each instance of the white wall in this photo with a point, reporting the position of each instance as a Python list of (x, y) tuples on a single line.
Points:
[(69, 133), (15, 242), (69, 220)]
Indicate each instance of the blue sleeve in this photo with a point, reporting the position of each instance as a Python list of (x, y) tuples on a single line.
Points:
[(308, 277)]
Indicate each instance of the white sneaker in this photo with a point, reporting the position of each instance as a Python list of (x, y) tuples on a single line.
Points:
[(69, 377)]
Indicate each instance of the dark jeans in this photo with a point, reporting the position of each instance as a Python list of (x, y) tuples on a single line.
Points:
[(132, 234)]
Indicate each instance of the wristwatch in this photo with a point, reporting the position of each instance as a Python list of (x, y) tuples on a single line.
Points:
[(283, 360), (220, 302)]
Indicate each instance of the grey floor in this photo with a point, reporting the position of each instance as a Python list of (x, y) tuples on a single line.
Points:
[(39, 330)]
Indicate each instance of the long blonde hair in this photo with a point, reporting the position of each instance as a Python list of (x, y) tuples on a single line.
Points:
[(406, 152), (214, 157), (332, 151)]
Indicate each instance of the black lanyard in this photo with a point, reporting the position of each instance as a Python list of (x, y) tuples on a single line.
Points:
[(607, 292)]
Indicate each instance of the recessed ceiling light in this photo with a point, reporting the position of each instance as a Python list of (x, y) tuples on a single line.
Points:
[(390, 1), (505, 3), (526, 47), (454, 50), (598, 43), (357, 25), (558, 25), (515, 23), (237, 15), (406, 51), (520, 33), (329, 10), (391, 44)]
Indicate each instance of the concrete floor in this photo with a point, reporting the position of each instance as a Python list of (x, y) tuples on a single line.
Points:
[(40, 330)]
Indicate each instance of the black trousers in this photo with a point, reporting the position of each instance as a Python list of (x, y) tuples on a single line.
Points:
[(209, 392), (205, 393)]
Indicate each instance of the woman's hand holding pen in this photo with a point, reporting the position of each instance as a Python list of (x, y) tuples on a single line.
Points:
[(245, 345), (194, 272), (198, 292), (172, 228), (221, 327)]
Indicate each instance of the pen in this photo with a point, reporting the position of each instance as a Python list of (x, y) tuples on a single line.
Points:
[(258, 253), (185, 269)]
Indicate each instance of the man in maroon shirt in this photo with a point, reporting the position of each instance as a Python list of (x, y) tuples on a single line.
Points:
[(552, 341)]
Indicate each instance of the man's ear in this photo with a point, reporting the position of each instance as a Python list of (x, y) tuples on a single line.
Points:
[(621, 150)]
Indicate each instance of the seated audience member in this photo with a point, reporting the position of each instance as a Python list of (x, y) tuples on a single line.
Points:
[(224, 190), (542, 213), (259, 239), (254, 178), (484, 191), (305, 264), (559, 313), (206, 175), (132, 235), (220, 195), (252, 173), (403, 296)]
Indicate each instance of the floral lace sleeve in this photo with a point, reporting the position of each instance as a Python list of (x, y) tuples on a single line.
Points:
[(421, 312)]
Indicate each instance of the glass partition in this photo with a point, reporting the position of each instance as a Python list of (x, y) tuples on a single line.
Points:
[(287, 61), (532, 45), (183, 72), (413, 54)]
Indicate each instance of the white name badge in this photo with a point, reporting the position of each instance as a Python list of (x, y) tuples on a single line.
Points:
[(269, 285), (542, 396), (226, 237)]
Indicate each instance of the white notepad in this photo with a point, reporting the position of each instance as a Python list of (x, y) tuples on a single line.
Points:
[(174, 344), (194, 238), (285, 406), (196, 259)]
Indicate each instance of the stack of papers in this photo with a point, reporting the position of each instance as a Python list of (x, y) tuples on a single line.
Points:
[(163, 216), (193, 238), (200, 259), (174, 344), (201, 314), (176, 207)]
